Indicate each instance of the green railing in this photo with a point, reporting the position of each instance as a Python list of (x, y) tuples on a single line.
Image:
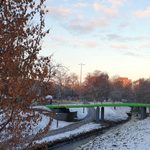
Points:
[(99, 105)]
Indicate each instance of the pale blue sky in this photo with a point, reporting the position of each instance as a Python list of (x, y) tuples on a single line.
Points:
[(108, 35)]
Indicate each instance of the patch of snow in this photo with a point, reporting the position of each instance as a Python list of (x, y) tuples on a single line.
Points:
[(45, 119), (61, 124), (120, 113), (134, 135), (41, 125), (82, 129), (80, 112), (53, 125)]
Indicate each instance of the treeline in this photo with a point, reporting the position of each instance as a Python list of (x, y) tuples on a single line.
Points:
[(97, 86)]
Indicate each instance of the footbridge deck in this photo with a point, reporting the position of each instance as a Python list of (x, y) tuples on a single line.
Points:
[(99, 105), (141, 107)]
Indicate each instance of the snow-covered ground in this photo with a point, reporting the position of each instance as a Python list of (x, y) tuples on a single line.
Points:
[(61, 124), (80, 112), (133, 135), (120, 113), (110, 114), (117, 114), (82, 129)]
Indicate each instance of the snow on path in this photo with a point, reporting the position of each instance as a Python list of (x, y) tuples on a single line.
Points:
[(82, 129), (133, 135)]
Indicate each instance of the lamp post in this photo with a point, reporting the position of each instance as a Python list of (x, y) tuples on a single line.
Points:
[(81, 81), (81, 73)]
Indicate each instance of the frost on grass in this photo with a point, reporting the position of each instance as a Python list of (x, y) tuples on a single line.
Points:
[(133, 135)]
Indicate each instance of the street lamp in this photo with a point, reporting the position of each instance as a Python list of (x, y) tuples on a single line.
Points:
[(81, 82), (81, 73)]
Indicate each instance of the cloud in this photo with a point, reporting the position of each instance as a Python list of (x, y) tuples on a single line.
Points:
[(104, 9), (124, 25), (85, 44), (60, 12), (116, 3), (143, 13), (83, 25), (120, 46), (79, 21), (145, 46), (114, 37), (79, 43), (110, 11), (126, 49), (126, 38), (133, 54), (81, 5)]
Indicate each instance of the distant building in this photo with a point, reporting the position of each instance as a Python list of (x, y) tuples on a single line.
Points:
[(124, 80)]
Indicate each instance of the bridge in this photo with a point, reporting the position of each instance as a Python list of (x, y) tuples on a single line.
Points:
[(99, 105), (141, 106)]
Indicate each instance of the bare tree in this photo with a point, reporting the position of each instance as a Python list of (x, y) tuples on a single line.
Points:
[(59, 80), (117, 89), (96, 86), (120, 91), (47, 72), (70, 86), (142, 90)]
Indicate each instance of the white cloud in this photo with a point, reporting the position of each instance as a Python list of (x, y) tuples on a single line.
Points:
[(124, 25), (60, 12), (120, 46), (80, 22), (75, 42), (116, 3), (145, 46), (81, 5), (126, 49), (126, 38), (112, 10), (87, 25), (143, 13), (133, 54), (105, 10)]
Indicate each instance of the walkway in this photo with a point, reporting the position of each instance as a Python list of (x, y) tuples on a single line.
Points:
[(89, 118)]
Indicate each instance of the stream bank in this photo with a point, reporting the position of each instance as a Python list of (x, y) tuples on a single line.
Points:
[(82, 138)]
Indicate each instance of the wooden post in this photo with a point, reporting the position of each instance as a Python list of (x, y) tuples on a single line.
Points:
[(102, 114)]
